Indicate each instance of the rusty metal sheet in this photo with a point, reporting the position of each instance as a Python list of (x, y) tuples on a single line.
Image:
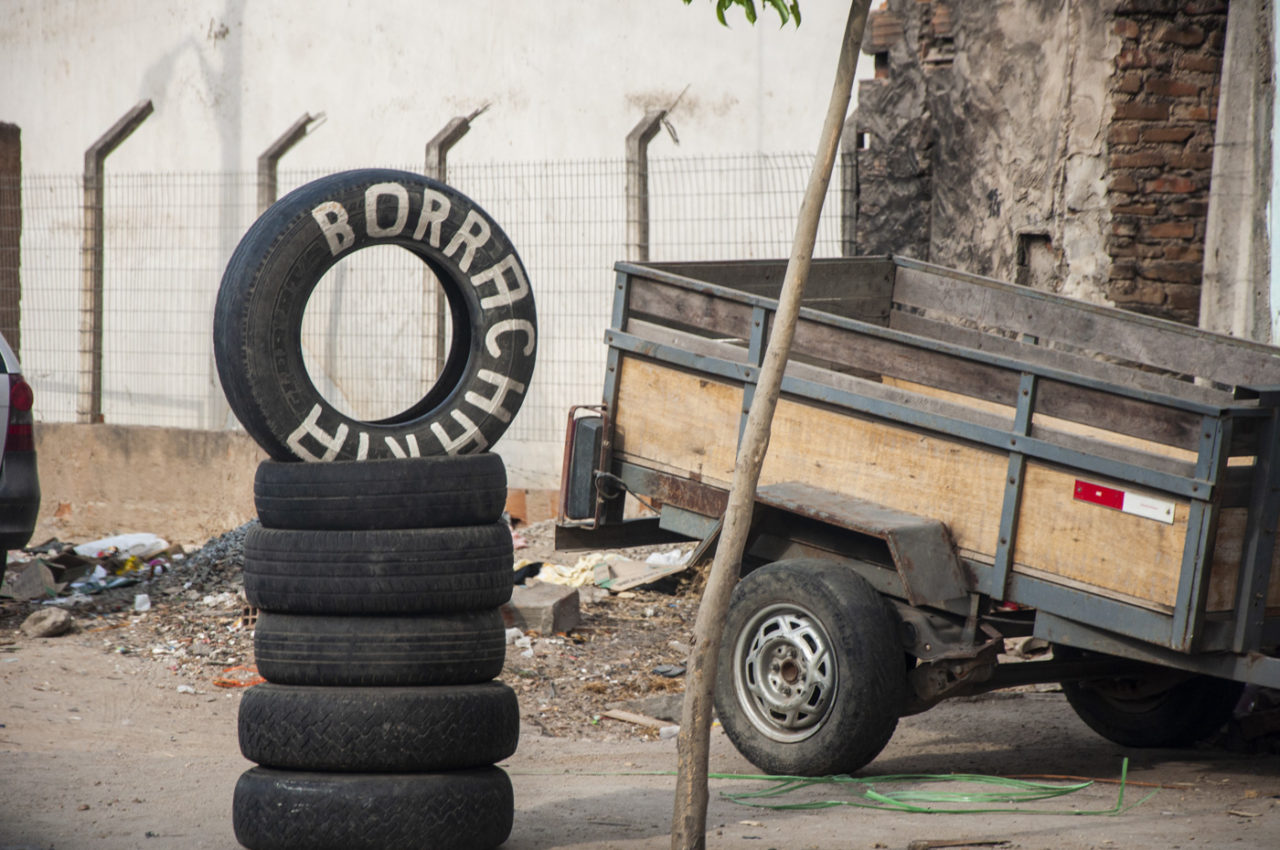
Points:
[(922, 550)]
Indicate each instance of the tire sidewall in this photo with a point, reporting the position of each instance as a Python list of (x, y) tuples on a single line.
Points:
[(284, 256)]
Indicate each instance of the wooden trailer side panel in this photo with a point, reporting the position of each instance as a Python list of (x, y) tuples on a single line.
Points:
[(677, 421)]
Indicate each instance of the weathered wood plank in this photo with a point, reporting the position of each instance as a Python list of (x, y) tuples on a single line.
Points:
[(1128, 336), (901, 359), (682, 308), (1037, 355), (1228, 548), (859, 288), (1094, 545), (1073, 436)]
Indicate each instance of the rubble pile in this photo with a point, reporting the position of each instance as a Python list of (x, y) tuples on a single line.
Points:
[(184, 608)]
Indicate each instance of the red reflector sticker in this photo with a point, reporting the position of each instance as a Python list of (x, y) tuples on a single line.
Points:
[(1120, 500)]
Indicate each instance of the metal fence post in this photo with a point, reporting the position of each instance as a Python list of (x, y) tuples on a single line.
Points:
[(437, 168), (849, 188), (270, 158), (89, 406), (638, 184), (11, 235)]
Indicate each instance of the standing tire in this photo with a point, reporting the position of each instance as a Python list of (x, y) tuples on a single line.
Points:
[(425, 492), (810, 679), (287, 810), (1159, 710), (286, 252), (442, 649), (404, 571), (379, 730)]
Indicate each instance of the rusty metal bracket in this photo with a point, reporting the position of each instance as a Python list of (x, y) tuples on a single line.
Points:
[(922, 550)]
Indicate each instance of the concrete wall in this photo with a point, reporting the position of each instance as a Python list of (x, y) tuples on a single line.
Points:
[(566, 79), (183, 485)]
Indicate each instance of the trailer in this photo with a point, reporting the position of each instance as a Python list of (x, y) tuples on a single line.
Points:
[(954, 461)]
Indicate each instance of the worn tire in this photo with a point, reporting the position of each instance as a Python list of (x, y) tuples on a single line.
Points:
[(437, 649), (1136, 714), (376, 730), (285, 253), (427, 492), (846, 678), (288, 810), (406, 571)]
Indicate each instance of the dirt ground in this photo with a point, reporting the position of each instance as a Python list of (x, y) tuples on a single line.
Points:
[(116, 736)]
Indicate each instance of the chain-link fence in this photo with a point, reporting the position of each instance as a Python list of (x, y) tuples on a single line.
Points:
[(370, 333)]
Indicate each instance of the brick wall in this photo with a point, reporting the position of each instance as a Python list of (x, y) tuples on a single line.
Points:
[(1164, 93)]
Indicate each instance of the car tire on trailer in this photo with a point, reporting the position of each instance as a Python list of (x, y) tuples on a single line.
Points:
[(438, 649), (810, 679), (401, 571), (284, 255), (427, 492), (455, 810), (374, 730), (1160, 710)]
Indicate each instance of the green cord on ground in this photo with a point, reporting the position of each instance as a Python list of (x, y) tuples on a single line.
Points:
[(1011, 791)]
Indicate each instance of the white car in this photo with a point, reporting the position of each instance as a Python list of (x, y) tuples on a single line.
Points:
[(19, 483)]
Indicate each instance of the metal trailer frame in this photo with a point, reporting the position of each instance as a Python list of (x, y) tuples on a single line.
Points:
[(1237, 646)]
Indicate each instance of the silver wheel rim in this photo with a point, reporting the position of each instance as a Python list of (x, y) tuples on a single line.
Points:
[(784, 672)]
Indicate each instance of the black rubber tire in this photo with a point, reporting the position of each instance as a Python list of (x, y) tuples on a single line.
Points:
[(290, 810), (379, 730), (406, 571), (437, 649), (428, 492), (258, 318), (1180, 715), (843, 632)]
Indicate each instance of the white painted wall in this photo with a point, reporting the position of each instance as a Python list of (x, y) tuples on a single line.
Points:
[(566, 78)]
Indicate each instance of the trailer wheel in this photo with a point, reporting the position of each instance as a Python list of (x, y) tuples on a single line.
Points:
[(810, 679), (1155, 710), (257, 324)]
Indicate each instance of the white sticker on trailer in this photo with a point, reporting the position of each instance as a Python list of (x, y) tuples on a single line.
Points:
[(1145, 506)]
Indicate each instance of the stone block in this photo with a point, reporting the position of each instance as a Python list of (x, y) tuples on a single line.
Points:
[(543, 608)]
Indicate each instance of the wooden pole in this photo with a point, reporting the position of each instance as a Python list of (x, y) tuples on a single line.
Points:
[(689, 820)]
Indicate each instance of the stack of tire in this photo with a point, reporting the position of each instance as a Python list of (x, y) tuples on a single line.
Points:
[(378, 572), (378, 587)]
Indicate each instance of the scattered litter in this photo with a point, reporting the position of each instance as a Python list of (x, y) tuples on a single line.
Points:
[(671, 671), (186, 689), (526, 569), (141, 603), (668, 732), (632, 717), (873, 794), (1243, 814), (241, 676), (124, 545), (674, 558), (513, 635)]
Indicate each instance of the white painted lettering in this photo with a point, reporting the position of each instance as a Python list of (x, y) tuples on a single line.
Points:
[(470, 435), (332, 443), (472, 235), (371, 196), (507, 294), (332, 219), (362, 446), (410, 440), (507, 326), (503, 386), (435, 209)]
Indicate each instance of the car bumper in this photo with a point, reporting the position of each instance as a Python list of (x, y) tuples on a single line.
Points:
[(19, 499)]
